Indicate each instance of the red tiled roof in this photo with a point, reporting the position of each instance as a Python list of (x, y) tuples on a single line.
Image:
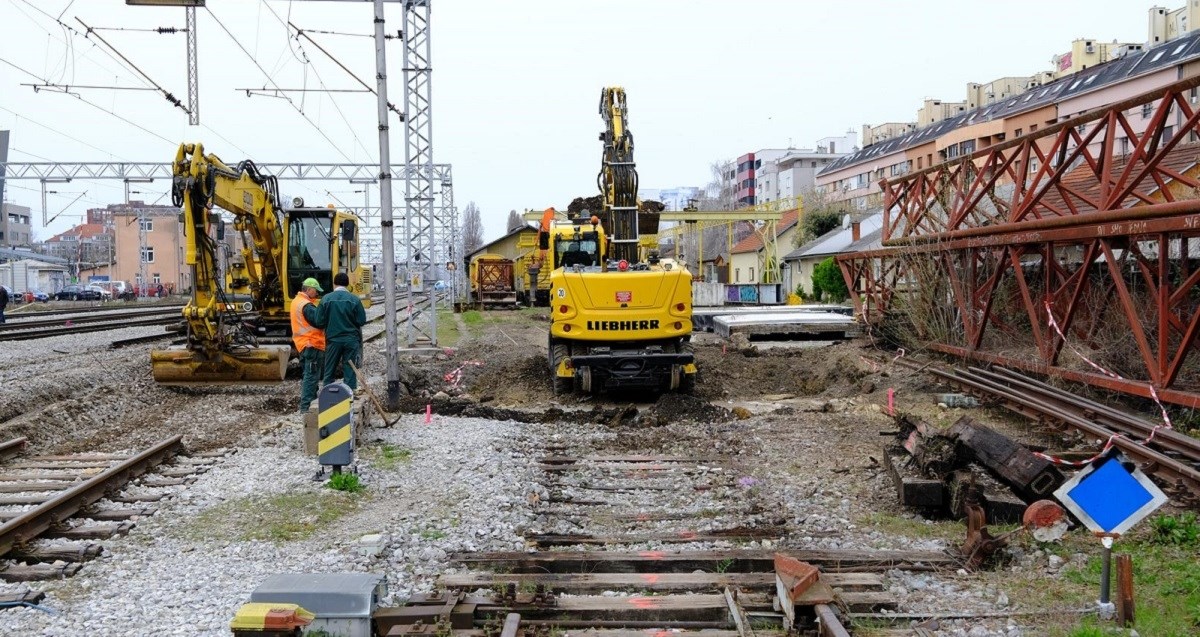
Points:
[(83, 231), (753, 242)]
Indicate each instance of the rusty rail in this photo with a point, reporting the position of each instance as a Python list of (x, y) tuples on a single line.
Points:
[(1165, 467), (12, 447), (36, 521)]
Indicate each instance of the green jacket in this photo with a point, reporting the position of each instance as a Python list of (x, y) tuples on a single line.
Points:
[(341, 315)]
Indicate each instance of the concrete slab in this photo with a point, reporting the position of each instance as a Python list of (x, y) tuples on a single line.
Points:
[(702, 317), (798, 323)]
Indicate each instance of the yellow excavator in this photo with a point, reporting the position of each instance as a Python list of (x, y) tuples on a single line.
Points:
[(248, 340), (620, 316)]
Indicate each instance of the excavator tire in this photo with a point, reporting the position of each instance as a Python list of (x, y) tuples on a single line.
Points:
[(687, 382), (562, 386)]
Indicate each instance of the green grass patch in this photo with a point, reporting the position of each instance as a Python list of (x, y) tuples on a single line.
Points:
[(347, 482), (472, 317), (1166, 586), (913, 527), (448, 333), (388, 457), (278, 518), (432, 534)]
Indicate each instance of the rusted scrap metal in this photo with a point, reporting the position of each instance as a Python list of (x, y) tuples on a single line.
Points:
[(1030, 476), (936, 475), (980, 545), (798, 584), (793, 577), (828, 623)]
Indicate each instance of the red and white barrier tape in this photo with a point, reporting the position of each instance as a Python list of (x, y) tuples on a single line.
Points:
[(1111, 439), (454, 377)]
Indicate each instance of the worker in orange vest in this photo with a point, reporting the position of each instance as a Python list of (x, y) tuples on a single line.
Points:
[(309, 340)]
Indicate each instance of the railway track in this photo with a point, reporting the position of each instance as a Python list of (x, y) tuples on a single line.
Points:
[(421, 305), (611, 577), (90, 309), (39, 494), (107, 324), (1172, 457), (13, 326)]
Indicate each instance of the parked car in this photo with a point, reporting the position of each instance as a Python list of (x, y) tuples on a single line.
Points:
[(117, 289), (39, 295), (77, 293), (105, 295)]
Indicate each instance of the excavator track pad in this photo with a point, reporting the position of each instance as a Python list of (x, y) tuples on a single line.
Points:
[(252, 365)]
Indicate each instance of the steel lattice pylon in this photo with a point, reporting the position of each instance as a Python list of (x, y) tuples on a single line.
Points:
[(193, 72), (419, 222)]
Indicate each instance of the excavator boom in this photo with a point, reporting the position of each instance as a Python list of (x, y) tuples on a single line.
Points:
[(220, 348)]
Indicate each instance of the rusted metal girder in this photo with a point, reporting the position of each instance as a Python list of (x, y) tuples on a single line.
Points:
[(1035, 177), (1100, 237)]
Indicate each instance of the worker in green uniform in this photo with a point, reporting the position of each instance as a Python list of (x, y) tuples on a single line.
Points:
[(342, 315)]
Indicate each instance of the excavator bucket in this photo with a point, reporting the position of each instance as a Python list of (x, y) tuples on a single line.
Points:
[(181, 366)]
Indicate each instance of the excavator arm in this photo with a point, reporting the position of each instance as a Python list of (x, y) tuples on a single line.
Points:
[(219, 347), (618, 179)]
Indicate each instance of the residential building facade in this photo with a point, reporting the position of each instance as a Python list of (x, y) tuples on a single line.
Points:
[(855, 179), (16, 228)]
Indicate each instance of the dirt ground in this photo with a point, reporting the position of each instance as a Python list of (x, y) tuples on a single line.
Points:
[(802, 421)]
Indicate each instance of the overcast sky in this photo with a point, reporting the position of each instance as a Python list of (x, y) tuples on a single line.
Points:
[(515, 84)]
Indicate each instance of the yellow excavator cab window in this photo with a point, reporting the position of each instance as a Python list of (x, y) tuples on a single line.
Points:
[(582, 252)]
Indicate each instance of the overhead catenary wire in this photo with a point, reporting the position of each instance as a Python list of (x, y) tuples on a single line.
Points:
[(92, 104), (67, 39), (308, 64), (272, 81), (302, 33), (166, 94)]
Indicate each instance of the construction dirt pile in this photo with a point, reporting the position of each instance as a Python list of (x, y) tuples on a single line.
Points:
[(833, 371)]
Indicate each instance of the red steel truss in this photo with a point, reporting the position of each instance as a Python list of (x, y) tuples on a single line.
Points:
[(1068, 230)]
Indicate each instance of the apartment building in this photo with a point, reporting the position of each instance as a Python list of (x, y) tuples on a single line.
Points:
[(855, 178), (16, 228)]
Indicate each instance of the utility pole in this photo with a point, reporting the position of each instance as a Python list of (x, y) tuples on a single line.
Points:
[(385, 214)]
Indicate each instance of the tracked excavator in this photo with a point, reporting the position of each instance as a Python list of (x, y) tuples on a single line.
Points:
[(621, 317), (246, 337)]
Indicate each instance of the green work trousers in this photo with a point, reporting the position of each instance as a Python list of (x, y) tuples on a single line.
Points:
[(312, 360), (342, 353)]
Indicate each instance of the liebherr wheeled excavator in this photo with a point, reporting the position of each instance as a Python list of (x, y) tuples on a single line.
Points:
[(619, 319), (248, 341)]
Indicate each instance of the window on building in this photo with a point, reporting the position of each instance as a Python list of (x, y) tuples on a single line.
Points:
[(814, 164), (1168, 133), (1147, 109), (737, 275), (156, 278), (1033, 165), (752, 275), (1018, 132), (146, 224), (1124, 145), (148, 254), (1032, 127)]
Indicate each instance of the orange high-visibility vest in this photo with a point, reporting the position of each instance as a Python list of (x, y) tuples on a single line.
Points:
[(304, 335)]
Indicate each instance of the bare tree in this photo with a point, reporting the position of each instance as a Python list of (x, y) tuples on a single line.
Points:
[(720, 193), (514, 220), (472, 228)]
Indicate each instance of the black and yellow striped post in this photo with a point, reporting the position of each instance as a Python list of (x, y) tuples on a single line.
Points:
[(335, 424)]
